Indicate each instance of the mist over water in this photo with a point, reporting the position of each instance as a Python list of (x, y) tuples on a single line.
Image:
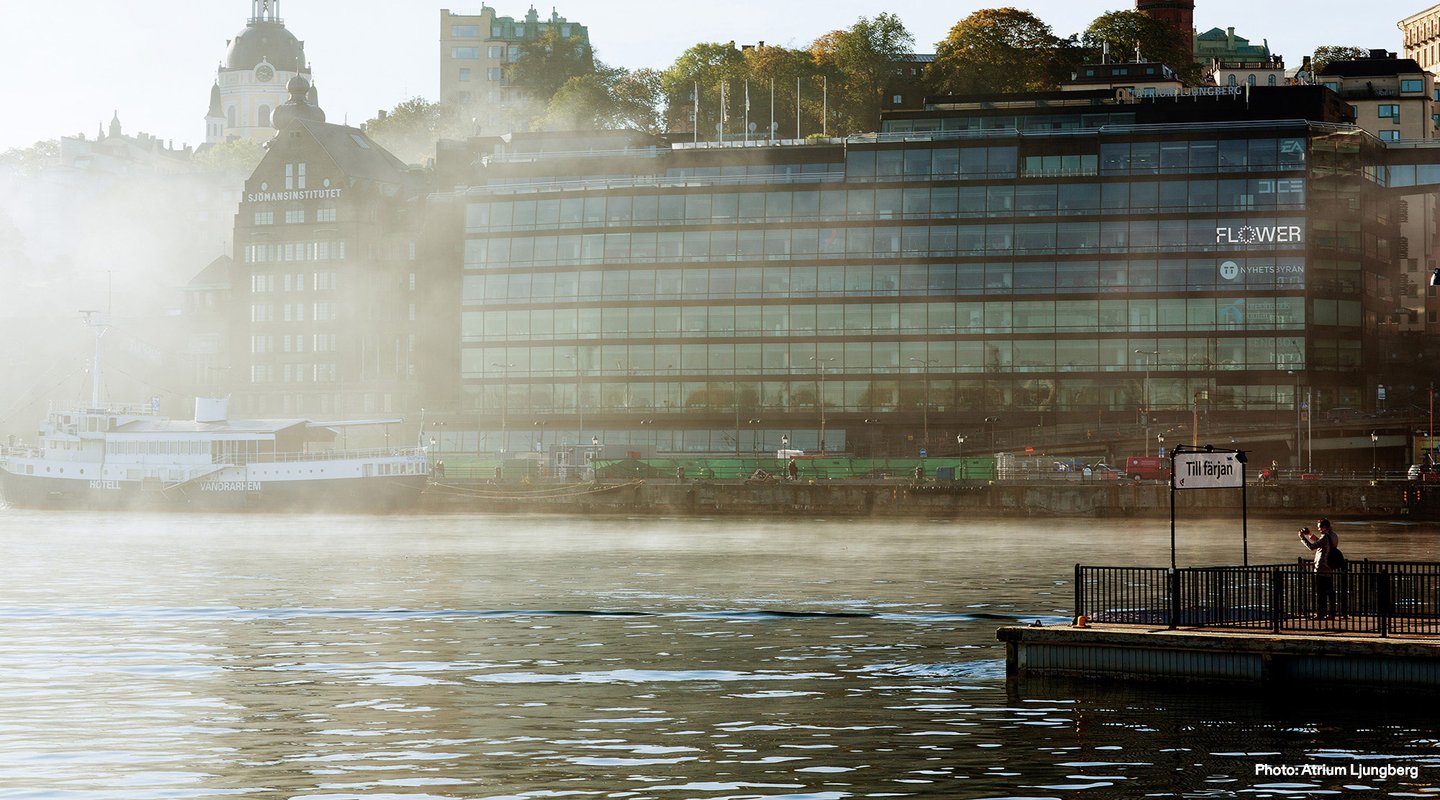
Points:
[(189, 656)]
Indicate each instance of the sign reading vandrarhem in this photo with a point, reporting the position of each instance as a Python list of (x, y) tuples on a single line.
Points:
[(1207, 471)]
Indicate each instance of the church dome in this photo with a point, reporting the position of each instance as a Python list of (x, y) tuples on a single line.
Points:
[(263, 40), (298, 106)]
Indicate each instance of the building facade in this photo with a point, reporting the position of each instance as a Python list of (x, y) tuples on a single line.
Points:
[(1084, 258), (251, 81), (324, 317), (1421, 37), (476, 52)]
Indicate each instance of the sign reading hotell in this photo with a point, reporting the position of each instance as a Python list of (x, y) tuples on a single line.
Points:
[(296, 194), (1207, 471), (1263, 234)]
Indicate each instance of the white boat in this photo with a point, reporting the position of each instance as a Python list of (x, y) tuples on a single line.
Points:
[(112, 457)]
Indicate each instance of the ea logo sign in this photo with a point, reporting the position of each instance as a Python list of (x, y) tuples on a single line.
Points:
[(1229, 270)]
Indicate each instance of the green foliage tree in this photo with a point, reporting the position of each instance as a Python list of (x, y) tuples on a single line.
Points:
[(774, 73), (706, 67), (1159, 41), (860, 62), (996, 50), (412, 128), (237, 157), (1330, 53), (549, 60), (609, 98), (30, 159)]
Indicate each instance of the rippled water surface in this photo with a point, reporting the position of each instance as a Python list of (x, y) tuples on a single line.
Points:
[(502, 657)]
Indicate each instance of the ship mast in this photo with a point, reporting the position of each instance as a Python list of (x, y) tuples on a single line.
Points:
[(100, 323)]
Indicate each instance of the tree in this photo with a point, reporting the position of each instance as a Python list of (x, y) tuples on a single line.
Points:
[(412, 128), (30, 159), (1330, 53), (234, 157), (780, 69), (608, 99), (548, 61), (861, 62), (1125, 31), (994, 51), (707, 67)]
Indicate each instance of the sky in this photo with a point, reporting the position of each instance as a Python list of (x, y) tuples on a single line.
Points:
[(70, 65)]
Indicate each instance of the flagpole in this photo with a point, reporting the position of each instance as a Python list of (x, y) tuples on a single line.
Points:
[(695, 115), (747, 110), (797, 108), (721, 128), (771, 133), (825, 105)]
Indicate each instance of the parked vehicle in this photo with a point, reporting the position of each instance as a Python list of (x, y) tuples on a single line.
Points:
[(1106, 472), (1147, 468)]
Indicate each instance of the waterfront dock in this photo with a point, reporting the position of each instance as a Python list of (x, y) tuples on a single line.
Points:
[(1372, 625), (1296, 660), (928, 499)]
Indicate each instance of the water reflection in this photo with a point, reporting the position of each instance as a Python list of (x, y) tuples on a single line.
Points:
[(187, 656)]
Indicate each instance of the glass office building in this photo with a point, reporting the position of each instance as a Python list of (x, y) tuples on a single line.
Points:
[(1059, 258)]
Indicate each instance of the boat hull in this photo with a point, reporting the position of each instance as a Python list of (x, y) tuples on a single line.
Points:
[(379, 494)]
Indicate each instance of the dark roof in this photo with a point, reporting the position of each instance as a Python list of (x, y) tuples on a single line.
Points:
[(215, 276), (354, 153), (1371, 67), (266, 41)]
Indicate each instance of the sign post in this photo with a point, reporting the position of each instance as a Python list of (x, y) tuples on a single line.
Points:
[(1208, 468)]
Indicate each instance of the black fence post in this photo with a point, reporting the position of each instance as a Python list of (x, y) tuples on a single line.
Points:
[(1079, 595), (1174, 598), (1277, 599), (1382, 600)]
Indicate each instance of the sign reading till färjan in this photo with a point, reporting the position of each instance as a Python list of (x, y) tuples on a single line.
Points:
[(1208, 471)]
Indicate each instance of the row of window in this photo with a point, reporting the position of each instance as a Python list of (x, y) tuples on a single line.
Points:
[(293, 312), (1208, 234), (270, 252), (1029, 199), (317, 343), (1065, 393), (864, 280), (293, 373), (264, 283), (838, 360), (1026, 123), (912, 319), (179, 447), (1222, 155), (295, 215)]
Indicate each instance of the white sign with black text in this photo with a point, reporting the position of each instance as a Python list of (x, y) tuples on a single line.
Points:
[(1208, 471)]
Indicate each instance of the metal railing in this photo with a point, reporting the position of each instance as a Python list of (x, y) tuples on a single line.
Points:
[(1385, 598)]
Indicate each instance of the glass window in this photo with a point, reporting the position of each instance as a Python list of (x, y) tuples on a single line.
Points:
[(464, 52)]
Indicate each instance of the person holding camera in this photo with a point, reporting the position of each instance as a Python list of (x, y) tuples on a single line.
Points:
[(1325, 544)]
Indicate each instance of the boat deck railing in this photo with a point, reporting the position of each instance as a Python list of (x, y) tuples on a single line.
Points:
[(324, 455), (1385, 598)]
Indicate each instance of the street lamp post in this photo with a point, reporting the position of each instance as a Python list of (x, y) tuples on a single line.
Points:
[(1145, 391), (1160, 445), (960, 453), (579, 401), (1374, 462), (504, 400), (820, 394), (925, 401), (990, 421)]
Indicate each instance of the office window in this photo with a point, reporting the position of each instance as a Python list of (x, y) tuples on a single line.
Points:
[(325, 213), (465, 31), (294, 215), (495, 74), (1388, 110), (1390, 136), (897, 99), (462, 53), (495, 51), (264, 217), (1414, 85), (1251, 79), (464, 73)]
